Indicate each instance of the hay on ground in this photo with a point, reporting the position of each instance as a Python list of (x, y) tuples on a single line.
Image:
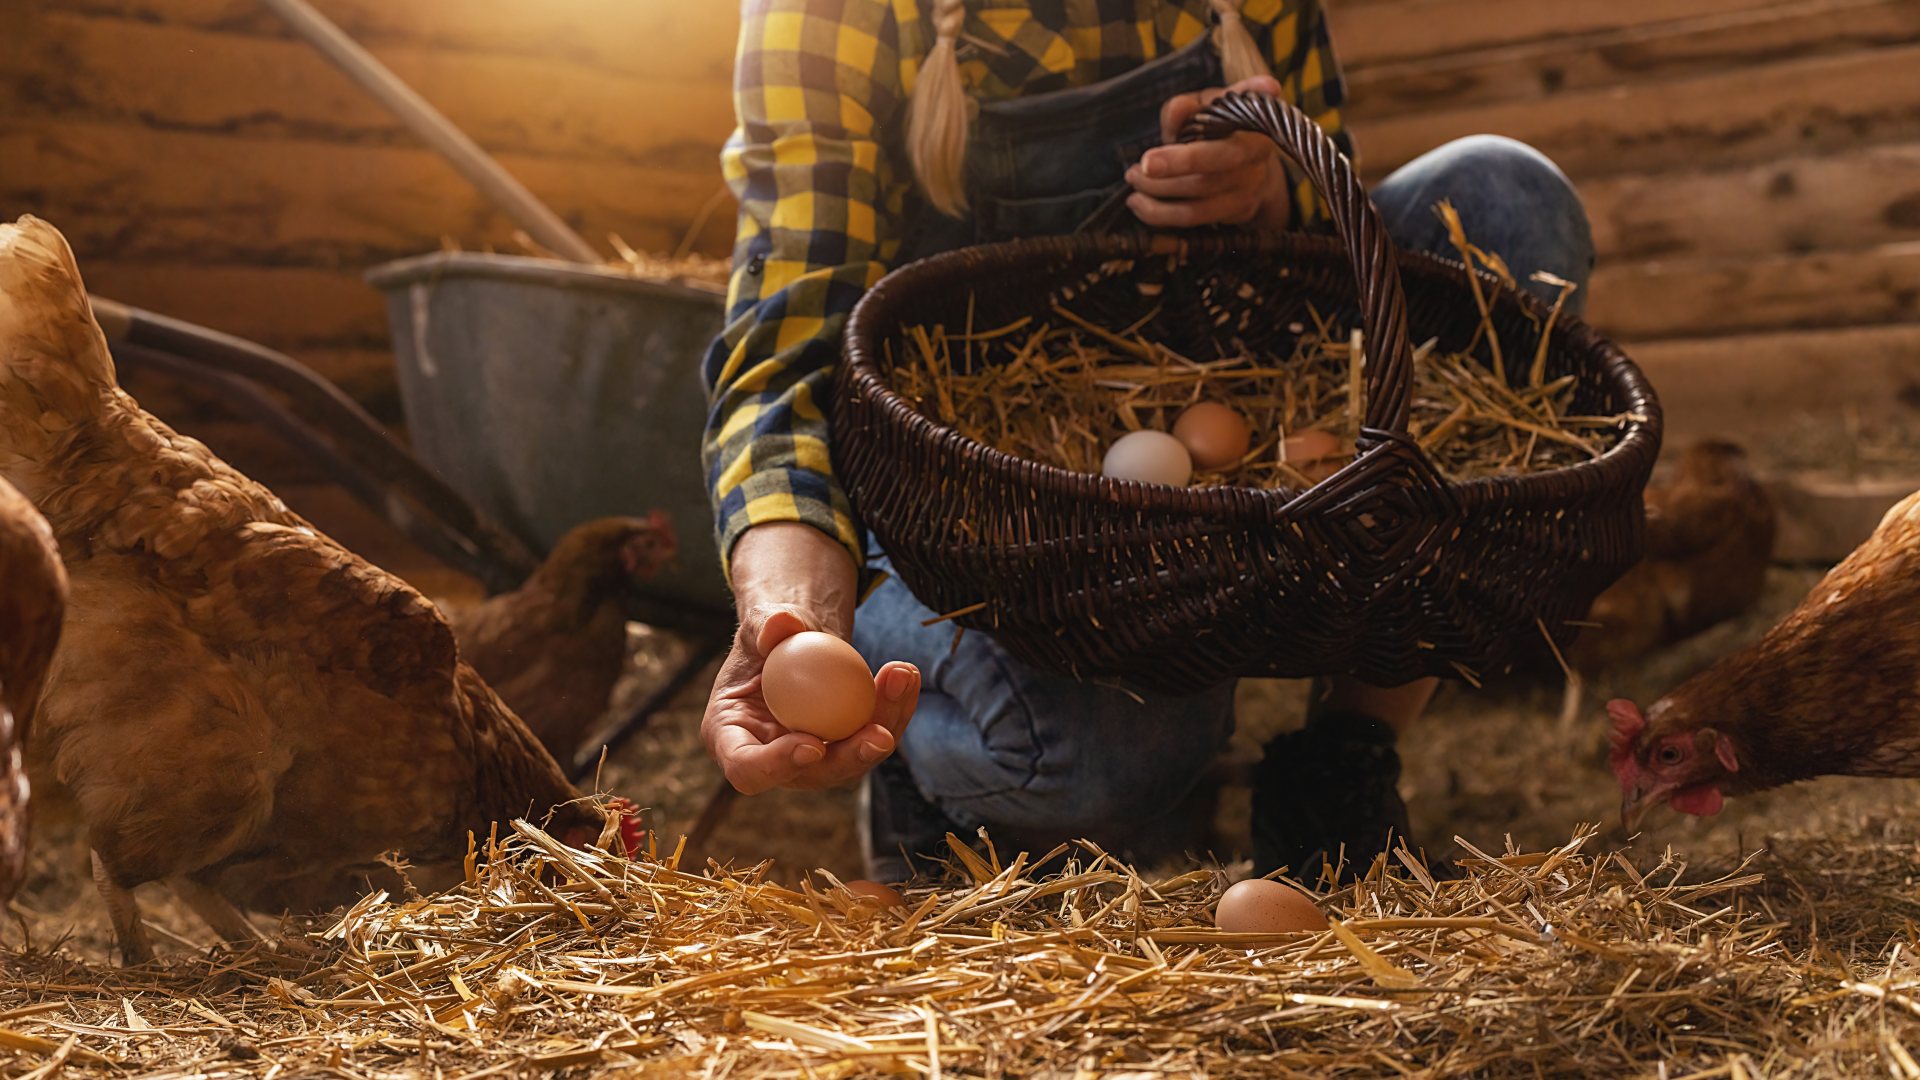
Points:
[(1554, 963)]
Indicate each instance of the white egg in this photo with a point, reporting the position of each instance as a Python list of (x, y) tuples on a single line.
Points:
[(1151, 457)]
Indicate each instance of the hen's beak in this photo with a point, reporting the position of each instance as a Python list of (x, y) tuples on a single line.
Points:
[(1634, 804)]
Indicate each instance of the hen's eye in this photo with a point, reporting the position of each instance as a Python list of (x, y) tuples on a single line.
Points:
[(1668, 755)]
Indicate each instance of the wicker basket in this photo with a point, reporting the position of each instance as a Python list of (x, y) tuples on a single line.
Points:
[(1385, 571)]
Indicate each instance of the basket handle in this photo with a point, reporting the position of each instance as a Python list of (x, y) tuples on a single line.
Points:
[(1383, 306)]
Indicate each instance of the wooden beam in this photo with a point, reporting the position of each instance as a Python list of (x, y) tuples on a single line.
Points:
[(1851, 199), (669, 41), (1368, 34), (1728, 118), (212, 82), (1744, 388), (1709, 297), (1542, 71), (141, 193)]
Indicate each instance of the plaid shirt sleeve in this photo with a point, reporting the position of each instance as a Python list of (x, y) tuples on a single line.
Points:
[(814, 81), (1300, 49)]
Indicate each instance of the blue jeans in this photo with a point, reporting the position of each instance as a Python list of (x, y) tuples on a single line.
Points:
[(998, 743)]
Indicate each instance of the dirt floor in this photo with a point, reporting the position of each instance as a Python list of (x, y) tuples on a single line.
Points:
[(1494, 766)]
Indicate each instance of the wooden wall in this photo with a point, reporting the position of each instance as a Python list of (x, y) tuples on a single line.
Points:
[(1752, 167), (207, 165)]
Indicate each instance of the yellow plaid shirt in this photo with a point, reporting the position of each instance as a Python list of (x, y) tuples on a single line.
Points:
[(817, 163)]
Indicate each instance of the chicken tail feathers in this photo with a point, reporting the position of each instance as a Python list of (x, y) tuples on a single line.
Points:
[(54, 363)]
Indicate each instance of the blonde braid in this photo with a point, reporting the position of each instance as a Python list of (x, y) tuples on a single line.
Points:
[(937, 125), (1240, 58)]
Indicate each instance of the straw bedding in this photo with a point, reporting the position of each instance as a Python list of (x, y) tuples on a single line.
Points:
[(1062, 389), (1562, 962)]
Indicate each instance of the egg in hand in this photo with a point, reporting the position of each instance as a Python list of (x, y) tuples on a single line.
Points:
[(817, 684)]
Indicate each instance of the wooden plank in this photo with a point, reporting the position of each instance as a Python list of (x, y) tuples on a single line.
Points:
[(663, 37), (1750, 115), (1823, 519), (1542, 71), (1702, 297), (138, 193), (1744, 388), (221, 83), (1852, 199), (1378, 33)]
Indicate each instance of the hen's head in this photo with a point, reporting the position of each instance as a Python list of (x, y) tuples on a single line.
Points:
[(588, 827), (609, 554), (1667, 756)]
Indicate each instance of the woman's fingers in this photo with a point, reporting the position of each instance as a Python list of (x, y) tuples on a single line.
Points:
[(898, 686), (1244, 150), (753, 766), (1181, 107), (1192, 185), (1236, 208), (767, 627)]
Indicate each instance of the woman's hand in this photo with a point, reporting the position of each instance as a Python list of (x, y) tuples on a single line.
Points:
[(1238, 180), (814, 582)]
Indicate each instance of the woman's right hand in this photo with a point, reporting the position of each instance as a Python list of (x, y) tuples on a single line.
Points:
[(787, 578)]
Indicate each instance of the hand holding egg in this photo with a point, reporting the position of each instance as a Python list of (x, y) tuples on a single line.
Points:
[(855, 722)]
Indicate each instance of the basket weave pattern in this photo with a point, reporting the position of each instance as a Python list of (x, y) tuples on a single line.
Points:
[(1386, 571)]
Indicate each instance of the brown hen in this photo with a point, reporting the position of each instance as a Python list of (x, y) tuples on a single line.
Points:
[(555, 647), (33, 594), (1834, 689), (1710, 534), (238, 702)]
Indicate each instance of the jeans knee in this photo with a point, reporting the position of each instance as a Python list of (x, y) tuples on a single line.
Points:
[(1500, 157), (1064, 756), (1512, 199)]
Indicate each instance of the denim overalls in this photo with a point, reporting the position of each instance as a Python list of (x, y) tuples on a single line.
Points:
[(1043, 757)]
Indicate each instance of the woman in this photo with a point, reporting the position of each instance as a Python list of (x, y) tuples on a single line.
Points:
[(874, 132)]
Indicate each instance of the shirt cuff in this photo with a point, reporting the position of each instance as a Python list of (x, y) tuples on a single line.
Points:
[(776, 502)]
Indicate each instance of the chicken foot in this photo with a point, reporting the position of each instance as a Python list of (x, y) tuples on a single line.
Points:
[(227, 921), (129, 933)]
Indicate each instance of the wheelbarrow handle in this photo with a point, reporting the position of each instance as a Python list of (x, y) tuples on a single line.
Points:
[(326, 407)]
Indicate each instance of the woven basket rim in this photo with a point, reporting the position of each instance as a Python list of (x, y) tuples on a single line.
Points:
[(1545, 485)]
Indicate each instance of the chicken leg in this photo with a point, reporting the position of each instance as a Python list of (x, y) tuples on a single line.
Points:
[(227, 922), (129, 933)]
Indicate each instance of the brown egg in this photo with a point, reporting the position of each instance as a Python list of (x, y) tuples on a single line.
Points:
[(1309, 446), (817, 684), (1151, 457), (1214, 434), (874, 892), (1261, 906)]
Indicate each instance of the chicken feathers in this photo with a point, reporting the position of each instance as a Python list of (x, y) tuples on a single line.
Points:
[(238, 701), (33, 594)]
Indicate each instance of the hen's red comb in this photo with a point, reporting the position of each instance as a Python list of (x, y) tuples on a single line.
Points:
[(633, 834), (1628, 723)]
